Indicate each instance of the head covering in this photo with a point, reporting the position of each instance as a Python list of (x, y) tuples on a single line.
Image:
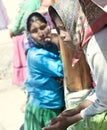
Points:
[(29, 42), (37, 15), (81, 18)]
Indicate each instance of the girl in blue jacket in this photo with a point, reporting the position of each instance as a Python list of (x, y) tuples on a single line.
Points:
[(45, 71)]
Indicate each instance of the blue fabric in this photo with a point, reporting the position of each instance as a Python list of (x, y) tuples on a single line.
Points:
[(44, 67)]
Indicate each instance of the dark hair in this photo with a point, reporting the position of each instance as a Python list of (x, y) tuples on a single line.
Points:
[(34, 17)]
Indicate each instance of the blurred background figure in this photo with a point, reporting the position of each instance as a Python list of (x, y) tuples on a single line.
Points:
[(4, 20)]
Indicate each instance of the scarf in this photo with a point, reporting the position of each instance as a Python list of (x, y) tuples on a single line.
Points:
[(82, 19)]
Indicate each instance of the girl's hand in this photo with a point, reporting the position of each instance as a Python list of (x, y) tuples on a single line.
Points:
[(54, 37)]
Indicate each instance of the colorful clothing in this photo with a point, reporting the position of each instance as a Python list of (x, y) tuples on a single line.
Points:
[(45, 92), (86, 23), (44, 67), (82, 19), (19, 65), (26, 7), (86, 26), (97, 49), (40, 115)]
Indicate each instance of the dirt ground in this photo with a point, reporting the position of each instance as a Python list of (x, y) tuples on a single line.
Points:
[(11, 96)]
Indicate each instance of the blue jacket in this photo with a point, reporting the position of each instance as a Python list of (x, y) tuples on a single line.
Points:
[(44, 67)]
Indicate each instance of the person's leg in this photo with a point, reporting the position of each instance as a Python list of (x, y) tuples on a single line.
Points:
[(36, 118), (33, 118)]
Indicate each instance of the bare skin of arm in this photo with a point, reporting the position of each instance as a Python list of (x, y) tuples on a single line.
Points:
[(67, 118)]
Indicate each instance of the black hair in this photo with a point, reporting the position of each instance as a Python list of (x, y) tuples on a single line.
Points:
[(34, 17)]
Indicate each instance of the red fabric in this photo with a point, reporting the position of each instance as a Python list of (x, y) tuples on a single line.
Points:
[(19, 61), (96, 26)]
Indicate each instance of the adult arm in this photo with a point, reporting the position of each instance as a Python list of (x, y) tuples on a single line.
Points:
[(67, 118)]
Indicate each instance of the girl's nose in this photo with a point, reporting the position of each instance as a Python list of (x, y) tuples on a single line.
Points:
[(41, 33)]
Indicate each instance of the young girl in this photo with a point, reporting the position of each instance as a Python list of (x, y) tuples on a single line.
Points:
[(45, 90)]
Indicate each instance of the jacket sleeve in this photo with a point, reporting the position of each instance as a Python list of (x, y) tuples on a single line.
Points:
[(96, 108)]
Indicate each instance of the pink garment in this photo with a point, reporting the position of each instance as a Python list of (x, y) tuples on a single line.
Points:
[(19, 61)]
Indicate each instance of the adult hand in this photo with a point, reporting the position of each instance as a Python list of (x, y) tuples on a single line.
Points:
[(67, 118), (59, 123), (64, 120)]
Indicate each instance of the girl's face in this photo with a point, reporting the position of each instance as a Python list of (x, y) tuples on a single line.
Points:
[(62, 31), (40, 31)]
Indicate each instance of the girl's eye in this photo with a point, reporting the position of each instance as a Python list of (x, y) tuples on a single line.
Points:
[(43, 27), (34, 31)]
